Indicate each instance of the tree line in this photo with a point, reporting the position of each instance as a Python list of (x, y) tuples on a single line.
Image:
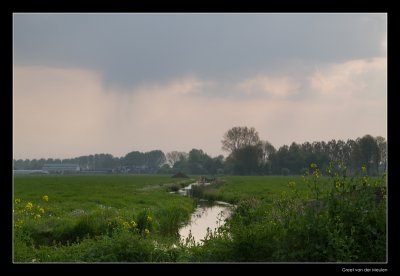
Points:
[(247, 155)]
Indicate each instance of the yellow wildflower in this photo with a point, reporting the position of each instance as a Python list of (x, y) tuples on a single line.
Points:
[(45, 198), (37, 216), (29, 206), (126, 225), (134, 224), (146, 231), (149, 218), (313, 165), (41, 210), (363, 168), (317, 173), (328, 170), (17, 200)]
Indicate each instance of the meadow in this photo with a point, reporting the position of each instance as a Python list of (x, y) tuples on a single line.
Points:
[(128, 218)]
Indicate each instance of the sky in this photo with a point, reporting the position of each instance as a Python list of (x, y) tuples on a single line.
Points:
[(116, 83)]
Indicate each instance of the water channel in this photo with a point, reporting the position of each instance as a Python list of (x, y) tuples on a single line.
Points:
[(208, 214)]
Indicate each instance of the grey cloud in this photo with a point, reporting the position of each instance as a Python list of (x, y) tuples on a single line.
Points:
[(134, 49)]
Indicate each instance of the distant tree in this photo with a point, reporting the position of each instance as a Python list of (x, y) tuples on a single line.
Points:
[(197, 161), (267, 150), (307, 148), (182, 164), (57, 161), (134, 158), (213, 165), (18, 164), (239, 137), (165, 169), (175, 156), (280, 159), (295, 161), (247, 160), (34, 165), (382, 144), (154, 159), (102, 161), (366, 152)]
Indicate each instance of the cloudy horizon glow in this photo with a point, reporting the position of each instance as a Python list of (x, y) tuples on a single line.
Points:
[(115, 83)]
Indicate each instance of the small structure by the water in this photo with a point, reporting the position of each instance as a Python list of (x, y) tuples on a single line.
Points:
[(180, 175)]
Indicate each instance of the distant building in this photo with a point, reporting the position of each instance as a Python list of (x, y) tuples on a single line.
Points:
[(61, 168), (22, 172)]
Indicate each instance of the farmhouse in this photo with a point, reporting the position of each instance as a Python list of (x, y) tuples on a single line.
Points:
[(61, 168)]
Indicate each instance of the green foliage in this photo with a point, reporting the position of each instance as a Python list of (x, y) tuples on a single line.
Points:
[(314, 218), (246, 160), (366, 152), (335, 219), (170, 219), (82, 210)]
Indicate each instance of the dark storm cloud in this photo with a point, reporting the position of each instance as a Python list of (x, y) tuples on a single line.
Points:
[(135, 49)]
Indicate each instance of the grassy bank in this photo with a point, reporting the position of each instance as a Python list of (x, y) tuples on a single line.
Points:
[(57, 216)]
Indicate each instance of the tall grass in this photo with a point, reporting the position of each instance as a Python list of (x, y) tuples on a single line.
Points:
[(345, 223)]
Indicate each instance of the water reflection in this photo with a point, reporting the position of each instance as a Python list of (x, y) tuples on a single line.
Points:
[(205, 216)]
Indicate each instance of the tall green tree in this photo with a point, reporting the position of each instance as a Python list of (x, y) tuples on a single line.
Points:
[(134, 158), (197, 161), (366, 153), (247, 160), (246, 153), (154, 159)]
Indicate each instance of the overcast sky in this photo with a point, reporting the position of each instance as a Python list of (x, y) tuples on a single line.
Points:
[(114, 83)]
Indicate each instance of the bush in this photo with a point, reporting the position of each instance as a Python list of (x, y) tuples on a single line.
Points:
[(122, 246)]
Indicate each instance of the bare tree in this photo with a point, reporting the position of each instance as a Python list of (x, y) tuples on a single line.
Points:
[(239, 137), (267, 149), (175, 156)]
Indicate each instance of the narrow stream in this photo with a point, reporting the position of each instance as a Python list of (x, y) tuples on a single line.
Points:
[(208, 214)]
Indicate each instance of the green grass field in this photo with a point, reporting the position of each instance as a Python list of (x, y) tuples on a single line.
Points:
[(266, 188), (126, 218), (68, 193)]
